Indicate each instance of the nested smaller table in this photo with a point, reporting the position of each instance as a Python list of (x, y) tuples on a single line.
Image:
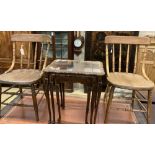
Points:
[(86, 72)]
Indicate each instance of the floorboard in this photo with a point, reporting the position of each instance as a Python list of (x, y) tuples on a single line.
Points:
[(74, 113)]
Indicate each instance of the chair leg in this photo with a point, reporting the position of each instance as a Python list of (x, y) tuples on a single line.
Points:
[(106, 97), (133, 99), (0, 98), (105, 94), (109, 103), (149, 107), (35, 102)]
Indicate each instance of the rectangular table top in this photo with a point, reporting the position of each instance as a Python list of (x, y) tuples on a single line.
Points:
[(76, 67)]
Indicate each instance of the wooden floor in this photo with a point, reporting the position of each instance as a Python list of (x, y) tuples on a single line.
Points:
[(73, 113)]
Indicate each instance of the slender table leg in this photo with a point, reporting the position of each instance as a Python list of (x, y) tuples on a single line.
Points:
[(58, 103), (88, 103), (46, 90), (52, 100), (35, 105), (60, 86), (62, 94), (97, 102), (93, 100)]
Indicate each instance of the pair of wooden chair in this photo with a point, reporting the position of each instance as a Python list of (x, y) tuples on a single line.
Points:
[(30, 53), (119, 52)]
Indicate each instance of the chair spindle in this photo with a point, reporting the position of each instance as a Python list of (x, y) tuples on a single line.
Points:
[(120, 57), (107, 60), (35, 55), (135, 63), (113, 58), (21, 55), (28, 59), (41, 56), (127, 58)]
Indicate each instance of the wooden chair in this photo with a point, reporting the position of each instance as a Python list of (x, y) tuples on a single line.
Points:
[(118, 78), (30, 53)]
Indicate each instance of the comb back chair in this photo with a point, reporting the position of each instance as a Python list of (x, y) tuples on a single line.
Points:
[(118, 77), (30, 53)]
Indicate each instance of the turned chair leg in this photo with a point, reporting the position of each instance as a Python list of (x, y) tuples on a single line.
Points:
[(35, 102), (109, 103), (149, 107)]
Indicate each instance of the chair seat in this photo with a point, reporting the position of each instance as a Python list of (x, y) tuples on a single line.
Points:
[(20, 76), (130, 81)]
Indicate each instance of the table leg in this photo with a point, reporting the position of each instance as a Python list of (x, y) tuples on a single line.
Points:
[(52, 100), (58, 103), (62, 93), (46, 91), (88, 103), (93, 100), (97, 102)]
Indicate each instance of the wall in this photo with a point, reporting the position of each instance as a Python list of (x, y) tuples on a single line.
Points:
[(6, 49)]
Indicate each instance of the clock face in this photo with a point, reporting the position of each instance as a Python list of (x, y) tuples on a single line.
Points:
[(77, 43)]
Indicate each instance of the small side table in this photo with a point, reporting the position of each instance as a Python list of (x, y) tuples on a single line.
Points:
[(86, 72)]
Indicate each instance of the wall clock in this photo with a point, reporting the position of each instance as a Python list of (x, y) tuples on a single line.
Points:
[(79, 42)]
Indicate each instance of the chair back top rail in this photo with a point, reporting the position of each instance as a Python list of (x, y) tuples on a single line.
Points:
[(31, 38), (134, 40)]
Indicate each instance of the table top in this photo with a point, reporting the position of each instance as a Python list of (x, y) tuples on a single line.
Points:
[(76, 67)]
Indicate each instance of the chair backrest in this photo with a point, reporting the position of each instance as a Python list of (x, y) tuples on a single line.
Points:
[(122, 52), (30, 50)]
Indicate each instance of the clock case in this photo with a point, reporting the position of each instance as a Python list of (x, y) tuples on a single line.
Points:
[(78, 50), (81, 38)]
